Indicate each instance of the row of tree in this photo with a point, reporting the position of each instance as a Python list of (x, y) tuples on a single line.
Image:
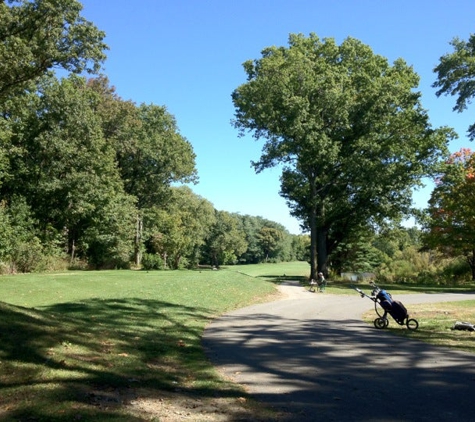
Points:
[(188, 230), (89, 176), (402, 255)]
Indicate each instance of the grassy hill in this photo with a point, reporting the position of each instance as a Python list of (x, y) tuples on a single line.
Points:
[(119, 345)]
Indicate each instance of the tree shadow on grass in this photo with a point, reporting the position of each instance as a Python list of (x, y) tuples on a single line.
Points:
[(278, 279), (88, 360)]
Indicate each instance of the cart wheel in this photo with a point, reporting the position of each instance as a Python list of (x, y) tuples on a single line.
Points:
[(412, 324), (381, 322)]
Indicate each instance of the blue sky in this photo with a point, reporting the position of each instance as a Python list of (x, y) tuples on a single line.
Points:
[(187, 55)]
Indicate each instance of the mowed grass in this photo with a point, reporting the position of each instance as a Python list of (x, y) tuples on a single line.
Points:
[(88, 345), (83, 345), (283, 271), (436, 321)]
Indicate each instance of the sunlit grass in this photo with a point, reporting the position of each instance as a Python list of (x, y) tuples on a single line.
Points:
[(288, 270), (74, 345), (436, 322)]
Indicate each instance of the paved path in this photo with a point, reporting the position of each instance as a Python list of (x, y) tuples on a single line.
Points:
[(311, 355)]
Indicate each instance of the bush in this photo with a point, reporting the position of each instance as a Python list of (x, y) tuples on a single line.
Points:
[(5, 268), (108, 252), (27, 256), (78, 265), (51, 263), (152, 262), (456, 272)]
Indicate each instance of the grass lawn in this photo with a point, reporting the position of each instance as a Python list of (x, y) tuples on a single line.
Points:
[(126, 345), (120, 345), (285, 271), (435, 324)]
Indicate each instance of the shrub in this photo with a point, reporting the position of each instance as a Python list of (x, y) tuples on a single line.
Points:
[(456, 272), (152, 262), (78, 264), (27, 255)]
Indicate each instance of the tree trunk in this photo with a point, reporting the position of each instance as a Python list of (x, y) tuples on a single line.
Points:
[(177, 261), (138, 240), (322, 253), (471, 262), (313, 245), (318, 242), (215, 260), (73, 251)]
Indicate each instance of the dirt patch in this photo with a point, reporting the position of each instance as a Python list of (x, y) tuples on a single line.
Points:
[(292, 290), (174, 407)]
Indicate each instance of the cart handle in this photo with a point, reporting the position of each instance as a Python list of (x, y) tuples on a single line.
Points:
[(363, 294)]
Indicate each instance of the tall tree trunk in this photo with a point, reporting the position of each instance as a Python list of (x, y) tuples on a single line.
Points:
[(215, 260), (176, 261), (322, 253), (318, 241), (71, 244), (313, 245), (73, 251), (138, 240), (471, 262)]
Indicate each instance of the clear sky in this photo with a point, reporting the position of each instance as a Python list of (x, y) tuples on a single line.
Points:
[(187, 55)]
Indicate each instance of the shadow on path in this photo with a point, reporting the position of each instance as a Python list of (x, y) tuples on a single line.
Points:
[(297, 356)]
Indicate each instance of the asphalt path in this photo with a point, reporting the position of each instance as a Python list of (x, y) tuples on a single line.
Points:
[(311, 355)]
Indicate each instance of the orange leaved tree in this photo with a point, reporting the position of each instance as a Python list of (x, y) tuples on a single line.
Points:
[(451, 227)]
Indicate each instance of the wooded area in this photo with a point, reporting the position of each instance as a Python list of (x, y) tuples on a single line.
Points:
[(90, 180)]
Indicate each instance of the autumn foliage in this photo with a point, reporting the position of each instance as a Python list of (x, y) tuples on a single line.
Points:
[(451, 227)]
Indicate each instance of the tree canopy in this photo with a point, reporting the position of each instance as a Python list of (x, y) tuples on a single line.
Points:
[(347, 128), (456, 75), (150, 151), (91, 179), (37, 36), (451, 224)]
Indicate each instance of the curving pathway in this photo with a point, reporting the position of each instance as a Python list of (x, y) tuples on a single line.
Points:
[(311, 355)]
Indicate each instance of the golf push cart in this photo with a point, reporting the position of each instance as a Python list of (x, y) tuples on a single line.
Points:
[(384, 304)]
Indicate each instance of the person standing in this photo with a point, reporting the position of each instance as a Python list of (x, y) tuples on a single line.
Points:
[(322, 283)]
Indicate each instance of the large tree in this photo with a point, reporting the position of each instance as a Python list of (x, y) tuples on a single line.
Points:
[(39, 35), (265, 240), (225, 242), (63, 166), (179, 228), (347, 128), (451, 224), (150, 151), (269, 239), (456, 75)]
